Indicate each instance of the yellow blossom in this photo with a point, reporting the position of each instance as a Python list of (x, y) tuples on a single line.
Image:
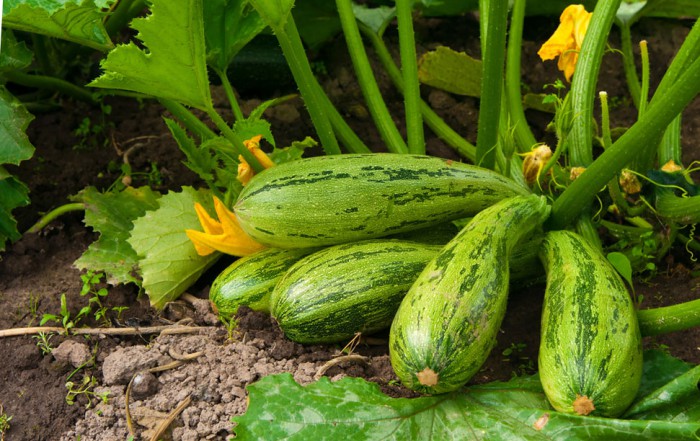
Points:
[(575, 172), (245, 172), (671, 167), (224, 235), (534, 161), (629, 182), (566, 41)]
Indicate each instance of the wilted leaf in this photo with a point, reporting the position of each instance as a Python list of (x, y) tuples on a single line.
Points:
[(112, 215), (168, 262), (352, 408), (455, 72)]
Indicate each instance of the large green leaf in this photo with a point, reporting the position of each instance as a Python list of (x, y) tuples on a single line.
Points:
[(13, 194), (112, 215), (14, 54), (168, 262), (174, 64), (69, 20), (228, 26), (274, 12), (516, 410), (14, 119)]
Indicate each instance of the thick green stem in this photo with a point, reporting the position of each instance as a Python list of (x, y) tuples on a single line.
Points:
[(235, 141), (228, 89), (293, 50), (193, 124), (523, 135), (50, 83), (669, 318), (670, 147), (409, 69), (682, 210), (644, 90), (377, 107), (122, 14), (661, 111), (584, 82), (628, 62), (55, 213), (432, 119), (494, 16)]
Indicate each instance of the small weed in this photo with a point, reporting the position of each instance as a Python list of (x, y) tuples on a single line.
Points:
[(514, 354), (94, 134), (63, 317), (43, 342), (231, 325), (85, 388), (4, 423)]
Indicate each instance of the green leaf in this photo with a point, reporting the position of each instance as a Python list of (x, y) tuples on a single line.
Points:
[(174, 65), (274, 12), (168, 262), (293, 152), (376, 19), (622, 265), (452, 71), (317, 21), (352, 408), (671, 8), (69, 20), (249, 127), (14, 120), (228, 26), (14, 55), (199, 160), (112, 215), (13, 194)]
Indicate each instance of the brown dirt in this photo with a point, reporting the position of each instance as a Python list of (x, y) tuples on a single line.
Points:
[(36, 270)]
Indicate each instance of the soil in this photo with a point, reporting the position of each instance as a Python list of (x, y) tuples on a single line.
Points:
[(36, 270)]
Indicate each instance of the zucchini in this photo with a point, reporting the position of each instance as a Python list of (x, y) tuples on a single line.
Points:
[(447, 323), (590, 357), (328, 200), (249, 281), (334, 293)]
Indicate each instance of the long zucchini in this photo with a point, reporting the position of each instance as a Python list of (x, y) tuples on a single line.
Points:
[(328, 200), (590, 357), (334, 293), (447, 323)]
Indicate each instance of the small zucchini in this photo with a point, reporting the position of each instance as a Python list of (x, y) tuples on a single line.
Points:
[(249, 280), (334, 293), (590, 357), (328, 200), (447, 323)]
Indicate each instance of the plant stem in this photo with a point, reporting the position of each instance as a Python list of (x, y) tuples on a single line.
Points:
[(432, 119), (50, 83), (494, 16), (523, 135), (628, 62), (237, 112), (235, 141), (194, 124), (293, 50), (55, 213), (345, 134), (682, 210), (661, 111), (584, 82), (644, 91), (670, 146), (409, 69), (669, 318), (122, 14), (377, 107)]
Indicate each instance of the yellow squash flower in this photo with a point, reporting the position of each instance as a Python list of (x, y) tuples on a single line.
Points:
[(224, 235), (566, 41), (245, 172)]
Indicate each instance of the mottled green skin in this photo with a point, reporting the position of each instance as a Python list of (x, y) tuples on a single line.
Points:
[(330, 295), (449, 319), (328, 200), (249, 281), (590, 340)]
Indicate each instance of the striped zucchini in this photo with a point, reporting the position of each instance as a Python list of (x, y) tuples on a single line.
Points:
[(590, 357), (249, 280), (334, 293), (447, 323), (328, 200)]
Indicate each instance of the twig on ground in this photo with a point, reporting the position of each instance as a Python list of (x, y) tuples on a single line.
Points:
[(337, 360), (163, 330)]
